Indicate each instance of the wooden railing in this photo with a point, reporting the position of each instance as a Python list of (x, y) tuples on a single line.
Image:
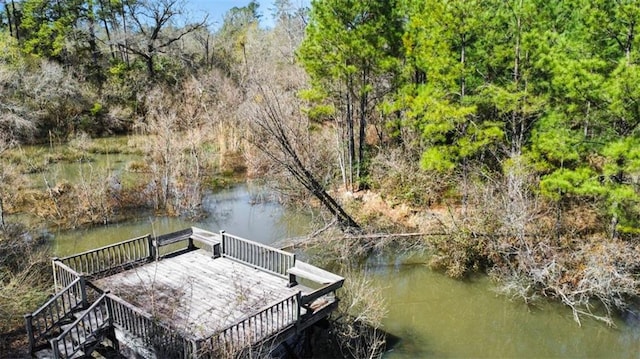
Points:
[(257, 255), (63, 275), (329, 282), (85, 330), (41, 322), (111, 257), (164, 341), (252, 330)]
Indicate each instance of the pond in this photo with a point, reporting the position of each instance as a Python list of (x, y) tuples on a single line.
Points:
[(432, 315), (243, 210), (438, 317)]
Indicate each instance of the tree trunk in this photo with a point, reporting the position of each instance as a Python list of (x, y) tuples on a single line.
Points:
[(93, 47), (125, 49), (269, 123), (16, 20), (150, 70), (350, 134), (106, 29), (6, 8), (516, 116), (363, 127)]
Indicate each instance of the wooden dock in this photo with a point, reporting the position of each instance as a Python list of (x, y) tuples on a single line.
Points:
[(188, 294)]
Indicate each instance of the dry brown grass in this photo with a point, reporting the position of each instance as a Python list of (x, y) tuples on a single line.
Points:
[(361, 311), (25, 281)]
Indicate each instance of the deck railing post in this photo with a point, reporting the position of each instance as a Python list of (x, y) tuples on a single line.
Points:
[(112, 331), (297, 314), (152, 248), (54, 348), (156, 248), (292, 277), (222, 243), (55, 273), (83, 292), (28, 321)]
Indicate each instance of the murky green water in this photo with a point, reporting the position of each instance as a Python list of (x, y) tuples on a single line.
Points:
[(438, 317), (96, 166), (242, 210)]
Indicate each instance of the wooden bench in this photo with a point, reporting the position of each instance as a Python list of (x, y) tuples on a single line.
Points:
[(314, 274), (208, 238)]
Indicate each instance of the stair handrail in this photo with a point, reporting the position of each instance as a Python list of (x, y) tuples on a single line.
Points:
[(50, 314), (82, 334)]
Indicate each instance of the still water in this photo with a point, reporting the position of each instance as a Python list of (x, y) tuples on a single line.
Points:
[(432, 315), (438, 317), (244, 210)]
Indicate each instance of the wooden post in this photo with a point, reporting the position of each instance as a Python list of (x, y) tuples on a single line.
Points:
[(28, 321), (292, 277), (83, 292), (155, 248), (224, 251), (111, 335), (54, 347), (152, 248), (55, 273), (298, 299), (292, 280)]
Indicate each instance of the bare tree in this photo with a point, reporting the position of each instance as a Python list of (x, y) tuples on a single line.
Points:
[(280, 141), (155, 28)]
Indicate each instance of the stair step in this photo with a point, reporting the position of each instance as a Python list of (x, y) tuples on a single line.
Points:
[(85, 336)]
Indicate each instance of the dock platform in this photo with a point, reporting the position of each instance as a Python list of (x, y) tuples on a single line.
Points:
[(187, 294)]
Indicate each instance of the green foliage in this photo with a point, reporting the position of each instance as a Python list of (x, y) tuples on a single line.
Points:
[(581, 181), (555, 82), (47, 26), (318, 109), (9, 49), (96, 109), (351, 53), (554, 144)]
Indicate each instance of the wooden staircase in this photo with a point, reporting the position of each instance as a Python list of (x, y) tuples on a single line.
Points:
[(68, 326)]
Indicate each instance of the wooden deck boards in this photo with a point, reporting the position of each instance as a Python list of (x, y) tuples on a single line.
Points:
[(197, 293)]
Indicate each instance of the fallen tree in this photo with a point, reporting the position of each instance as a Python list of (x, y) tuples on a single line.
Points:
[(279, 136)]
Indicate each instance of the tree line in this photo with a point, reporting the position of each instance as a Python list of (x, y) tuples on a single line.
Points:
[(518, 118), (487, 87), (86, 65)]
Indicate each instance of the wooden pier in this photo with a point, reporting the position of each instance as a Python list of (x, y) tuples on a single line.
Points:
[(188, 294)]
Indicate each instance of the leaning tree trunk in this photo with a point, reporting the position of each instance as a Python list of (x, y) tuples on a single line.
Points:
[(270, 123)]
